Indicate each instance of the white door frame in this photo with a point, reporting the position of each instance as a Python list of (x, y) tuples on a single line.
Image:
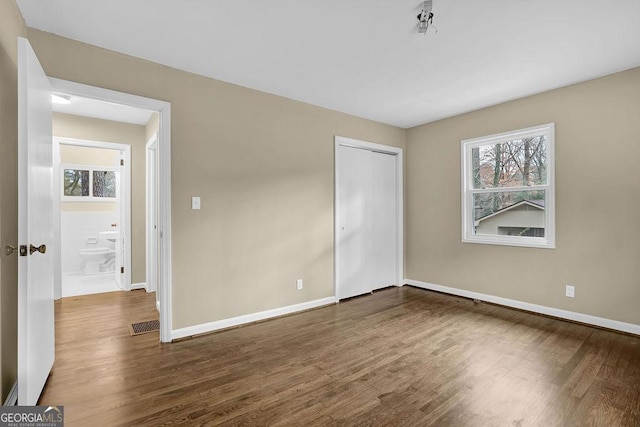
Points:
[(151, 154), (386, 149), (125, 205), (163, 109)]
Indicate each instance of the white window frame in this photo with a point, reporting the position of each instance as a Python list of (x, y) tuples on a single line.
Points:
[(468, 234), (90, 197)]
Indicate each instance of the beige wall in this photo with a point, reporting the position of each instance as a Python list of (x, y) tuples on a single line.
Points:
[(597, 181), (263, 166), (70, 126), (90, 156), (11, 26)]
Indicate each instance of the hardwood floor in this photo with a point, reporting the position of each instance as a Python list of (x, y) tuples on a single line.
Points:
[(402, 356)]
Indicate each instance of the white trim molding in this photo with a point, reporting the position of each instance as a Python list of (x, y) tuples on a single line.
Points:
[(250, 318), (12, 397), (151, 213), (540, 309), (135, 286)]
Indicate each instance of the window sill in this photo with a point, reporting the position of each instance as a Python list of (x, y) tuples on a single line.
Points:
[(526, 242), (83, 199)]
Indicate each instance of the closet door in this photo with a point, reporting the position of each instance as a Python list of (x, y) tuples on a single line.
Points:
[(384, 251), (367, 221), (354, 196)]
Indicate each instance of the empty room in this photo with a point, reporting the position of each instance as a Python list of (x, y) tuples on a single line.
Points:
[(330, 213)]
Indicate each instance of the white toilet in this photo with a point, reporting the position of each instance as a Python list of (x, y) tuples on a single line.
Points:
[(99, 259)]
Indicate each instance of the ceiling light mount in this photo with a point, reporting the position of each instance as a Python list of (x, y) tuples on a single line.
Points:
[(425, 17)]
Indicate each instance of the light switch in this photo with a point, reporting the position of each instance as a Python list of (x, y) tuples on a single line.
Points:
[(195, 203)]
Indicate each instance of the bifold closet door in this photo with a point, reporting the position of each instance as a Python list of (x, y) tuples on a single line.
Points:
[(354, 196), (384, 209), (367, 229)]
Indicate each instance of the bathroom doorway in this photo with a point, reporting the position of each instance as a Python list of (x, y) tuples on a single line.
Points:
[(92, 193)]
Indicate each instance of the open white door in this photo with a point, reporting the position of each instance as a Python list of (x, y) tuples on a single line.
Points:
[(36, 342)]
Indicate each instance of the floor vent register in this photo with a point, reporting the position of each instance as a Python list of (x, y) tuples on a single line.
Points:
[(144, 327)]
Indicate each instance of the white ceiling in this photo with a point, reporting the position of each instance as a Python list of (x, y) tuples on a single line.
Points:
[(103, 110), (365, 57)]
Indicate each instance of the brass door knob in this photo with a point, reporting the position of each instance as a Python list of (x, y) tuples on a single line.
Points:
[(10, 250)]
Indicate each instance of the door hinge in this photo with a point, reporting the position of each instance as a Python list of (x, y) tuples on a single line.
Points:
[(121, 270), (121, 162)]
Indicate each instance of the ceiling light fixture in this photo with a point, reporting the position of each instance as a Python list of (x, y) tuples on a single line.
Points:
[(60, 99), (425, 17)]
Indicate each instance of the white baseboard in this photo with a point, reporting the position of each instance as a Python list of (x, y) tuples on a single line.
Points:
[(12, 397), (135, 286), (549, 311), (248, 318)]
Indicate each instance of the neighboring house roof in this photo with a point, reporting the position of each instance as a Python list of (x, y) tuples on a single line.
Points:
[(538, 204)]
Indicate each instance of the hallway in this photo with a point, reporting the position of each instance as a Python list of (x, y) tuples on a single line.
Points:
[(97, 361)]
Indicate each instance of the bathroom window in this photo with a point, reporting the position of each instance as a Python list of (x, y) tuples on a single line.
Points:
[(104, 184), (88, 183), (76, 182)]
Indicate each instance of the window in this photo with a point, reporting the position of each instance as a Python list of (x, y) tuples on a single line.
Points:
[(87, 183), (76, 182), (508, 188)]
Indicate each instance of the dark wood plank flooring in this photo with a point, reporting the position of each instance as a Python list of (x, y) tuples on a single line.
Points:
[(402, 356)]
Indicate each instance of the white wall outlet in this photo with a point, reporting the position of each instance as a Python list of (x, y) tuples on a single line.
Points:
[(299, 284), (570, 291), (195, 203)]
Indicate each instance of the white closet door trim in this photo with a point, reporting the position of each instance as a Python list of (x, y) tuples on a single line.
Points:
[(395, 151)]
